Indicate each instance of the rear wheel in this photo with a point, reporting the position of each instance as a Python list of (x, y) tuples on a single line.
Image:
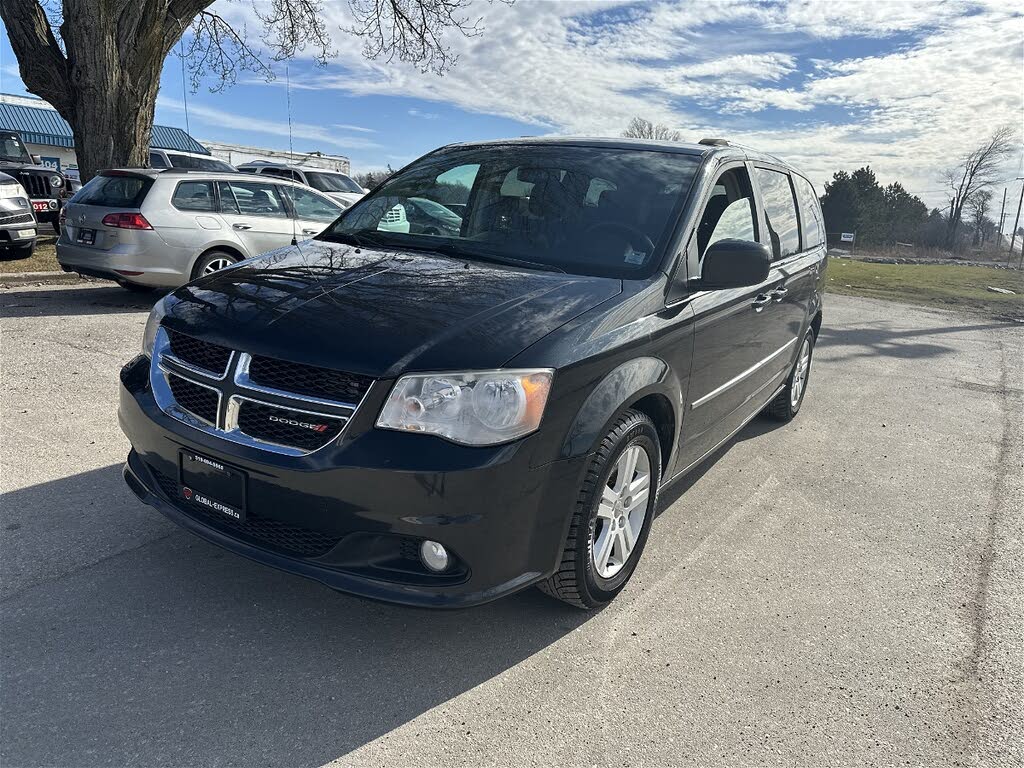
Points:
[(613, 515), (786, 404), (211, 262)]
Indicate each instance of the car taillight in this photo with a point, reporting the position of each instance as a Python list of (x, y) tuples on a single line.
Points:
[(126, 221)]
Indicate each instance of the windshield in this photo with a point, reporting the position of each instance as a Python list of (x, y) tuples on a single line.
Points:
[(332, 182), (583, 210), (11, 148), (199, 163)]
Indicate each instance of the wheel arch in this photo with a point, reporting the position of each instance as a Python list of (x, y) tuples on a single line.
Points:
[(225, 247), (646, 384)]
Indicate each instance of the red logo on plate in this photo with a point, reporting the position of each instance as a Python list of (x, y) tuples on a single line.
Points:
[(187, 493)]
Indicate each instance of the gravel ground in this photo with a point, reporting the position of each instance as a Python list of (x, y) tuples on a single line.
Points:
[(842, 590)]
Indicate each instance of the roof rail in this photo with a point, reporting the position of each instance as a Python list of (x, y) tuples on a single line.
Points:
[(714, 142)]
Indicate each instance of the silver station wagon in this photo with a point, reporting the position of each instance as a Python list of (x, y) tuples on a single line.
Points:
[(161, 228)]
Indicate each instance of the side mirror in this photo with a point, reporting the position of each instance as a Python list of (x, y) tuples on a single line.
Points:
[(734, 264), (37, 160)]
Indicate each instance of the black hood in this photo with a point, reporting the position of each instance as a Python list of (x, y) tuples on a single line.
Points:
[(381, 312)]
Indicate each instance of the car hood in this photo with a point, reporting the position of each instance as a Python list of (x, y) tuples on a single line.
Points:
[(381, 312), (345, 197)]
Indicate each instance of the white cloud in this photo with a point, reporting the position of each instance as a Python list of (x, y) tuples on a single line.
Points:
[(422, 114), (949, 74)]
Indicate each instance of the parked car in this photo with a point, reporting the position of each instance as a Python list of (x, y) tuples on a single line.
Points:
[(149, 228), (169, 158), (422, 216), (47, 188), (337, 185), (17, 222), (443, 419)]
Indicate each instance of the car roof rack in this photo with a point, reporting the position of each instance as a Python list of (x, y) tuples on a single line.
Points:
[(714, 142)]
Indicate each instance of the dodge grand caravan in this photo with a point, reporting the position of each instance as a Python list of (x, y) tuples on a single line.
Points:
[(442, 419)]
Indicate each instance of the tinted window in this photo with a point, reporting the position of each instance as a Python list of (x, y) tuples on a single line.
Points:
[(282, 173), (309, 205), (780, 212), (193, 196), (251, 197), (11, 148), (157, 161), (537, 203), (810, 213), (198, 163), (114, 191), (332, 182)]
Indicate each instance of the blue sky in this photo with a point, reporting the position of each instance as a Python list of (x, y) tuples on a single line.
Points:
[(903, 86)]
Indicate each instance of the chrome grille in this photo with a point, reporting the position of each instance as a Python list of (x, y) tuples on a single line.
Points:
[(209, 388)]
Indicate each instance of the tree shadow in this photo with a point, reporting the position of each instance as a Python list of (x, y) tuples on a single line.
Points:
[(177, 652), (883, 338), (88, 299)]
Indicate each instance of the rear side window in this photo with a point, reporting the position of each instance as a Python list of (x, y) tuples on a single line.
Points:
[(193, 196), (157, 161), (780, 211), (284, 173), (251, 198), (810, 213), (114, 191)]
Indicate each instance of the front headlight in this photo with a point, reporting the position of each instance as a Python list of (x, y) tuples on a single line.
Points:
[(56, 181), (156, 316), (473, 408)]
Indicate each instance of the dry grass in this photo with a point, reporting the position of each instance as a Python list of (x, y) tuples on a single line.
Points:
[(43, 260)]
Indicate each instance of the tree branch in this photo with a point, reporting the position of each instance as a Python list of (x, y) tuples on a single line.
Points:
[(43, 64)]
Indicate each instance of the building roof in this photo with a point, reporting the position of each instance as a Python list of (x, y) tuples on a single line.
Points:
[(42, 125)]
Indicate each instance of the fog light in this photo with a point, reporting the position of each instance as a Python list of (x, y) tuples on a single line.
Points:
[(434, 556)]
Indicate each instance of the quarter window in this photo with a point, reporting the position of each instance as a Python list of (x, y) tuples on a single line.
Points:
[(193, 196), (780, 212), (810, 213)]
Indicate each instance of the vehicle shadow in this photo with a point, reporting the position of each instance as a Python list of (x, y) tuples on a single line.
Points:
[(176, 652), (79, 299), (871, 340)]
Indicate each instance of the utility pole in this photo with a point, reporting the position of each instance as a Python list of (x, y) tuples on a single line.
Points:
[(1002, 215), (1016, 223)]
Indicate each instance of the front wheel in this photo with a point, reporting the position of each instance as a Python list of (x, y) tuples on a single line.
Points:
[(787, 403), (613, 515)]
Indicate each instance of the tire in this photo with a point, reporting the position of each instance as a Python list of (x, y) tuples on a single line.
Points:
[(16, 252), (579, 580), (212, 259), (135, 287), (786, 404)]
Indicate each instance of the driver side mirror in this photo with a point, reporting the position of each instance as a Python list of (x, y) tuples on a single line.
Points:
[(37, 160), (734, 264)]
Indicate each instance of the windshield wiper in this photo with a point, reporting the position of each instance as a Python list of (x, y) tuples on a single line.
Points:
[(456, 250), (349, 238)]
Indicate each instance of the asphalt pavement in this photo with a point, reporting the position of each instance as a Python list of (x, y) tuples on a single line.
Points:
[(843, 590)]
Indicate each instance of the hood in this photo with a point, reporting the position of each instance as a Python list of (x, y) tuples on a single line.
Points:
[(345, 197), (13, 166), (381, 312)]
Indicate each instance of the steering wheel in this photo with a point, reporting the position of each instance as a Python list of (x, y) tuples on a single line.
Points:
[(632, 235)]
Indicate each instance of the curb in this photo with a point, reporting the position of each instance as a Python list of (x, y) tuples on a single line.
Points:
[(40, 278)]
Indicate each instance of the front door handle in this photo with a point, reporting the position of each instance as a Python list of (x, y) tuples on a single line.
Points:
[(761, 301), (309, 231), (241, 226), (779, 293)]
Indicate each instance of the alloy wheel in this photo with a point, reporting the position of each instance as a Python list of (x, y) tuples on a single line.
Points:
[(621, 512), (217, 264), (800, 373)]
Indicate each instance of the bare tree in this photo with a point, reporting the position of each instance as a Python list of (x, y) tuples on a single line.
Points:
[(978, 170), (978, 207), (639, 128), (98, 62)]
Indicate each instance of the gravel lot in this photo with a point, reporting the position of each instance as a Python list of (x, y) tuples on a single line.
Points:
[(843, 590)]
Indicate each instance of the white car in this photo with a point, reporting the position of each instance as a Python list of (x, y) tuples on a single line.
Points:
[(173, 158), (17, 222), (337, 185), (147, 228)]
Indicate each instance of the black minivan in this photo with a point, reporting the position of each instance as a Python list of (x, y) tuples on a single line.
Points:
[(442, 417)]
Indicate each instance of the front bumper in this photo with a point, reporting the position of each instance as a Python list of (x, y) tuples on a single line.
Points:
[(352, 514)]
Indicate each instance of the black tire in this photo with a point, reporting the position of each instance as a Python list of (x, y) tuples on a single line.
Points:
[(576, 581), (783, 407), (135, 287), (16, 252), (209, 258)]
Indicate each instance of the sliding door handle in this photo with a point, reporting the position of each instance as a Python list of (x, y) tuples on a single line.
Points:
[(779, 293), (761, 301)]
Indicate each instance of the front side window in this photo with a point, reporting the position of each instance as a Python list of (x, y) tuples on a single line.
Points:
[(779, 211), (583, 210), (309, 205), (251, 198), (729, 212), (193, 196), (810, 210)]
